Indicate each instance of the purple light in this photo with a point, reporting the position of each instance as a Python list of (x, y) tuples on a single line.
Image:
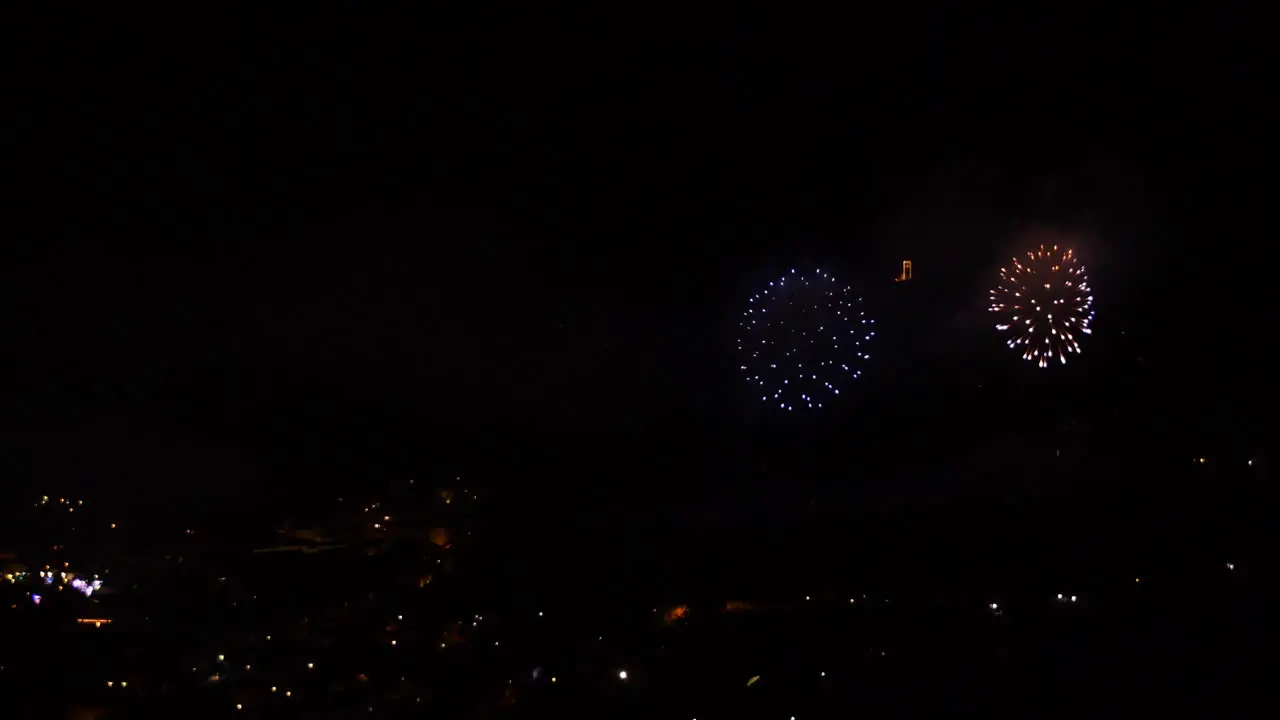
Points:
[(84, 587)]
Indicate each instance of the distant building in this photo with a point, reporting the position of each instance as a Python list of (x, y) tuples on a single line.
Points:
[(906, 272)]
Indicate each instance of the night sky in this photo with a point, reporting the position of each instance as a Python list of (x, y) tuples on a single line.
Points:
[(243, 247)]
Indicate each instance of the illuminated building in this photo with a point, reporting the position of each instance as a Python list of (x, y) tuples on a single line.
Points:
[(906, 272)]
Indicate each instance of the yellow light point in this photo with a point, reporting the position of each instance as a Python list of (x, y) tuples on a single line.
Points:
[(288, 693), (124, 684), (110, 683)]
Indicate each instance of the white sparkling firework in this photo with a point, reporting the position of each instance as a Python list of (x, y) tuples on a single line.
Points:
[(802, 339), (1045, 303)]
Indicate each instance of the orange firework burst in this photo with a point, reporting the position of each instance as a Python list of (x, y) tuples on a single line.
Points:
[(1046, 298)]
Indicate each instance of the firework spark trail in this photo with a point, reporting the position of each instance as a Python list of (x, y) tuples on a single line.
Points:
[(1047, 302), (802, 339)]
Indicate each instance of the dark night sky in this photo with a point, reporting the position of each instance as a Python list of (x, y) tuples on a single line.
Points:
[(290, 231)]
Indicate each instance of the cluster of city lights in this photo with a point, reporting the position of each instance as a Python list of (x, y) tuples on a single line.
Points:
[(375, 518), (225, 664), (61, 503), (64, 579)]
